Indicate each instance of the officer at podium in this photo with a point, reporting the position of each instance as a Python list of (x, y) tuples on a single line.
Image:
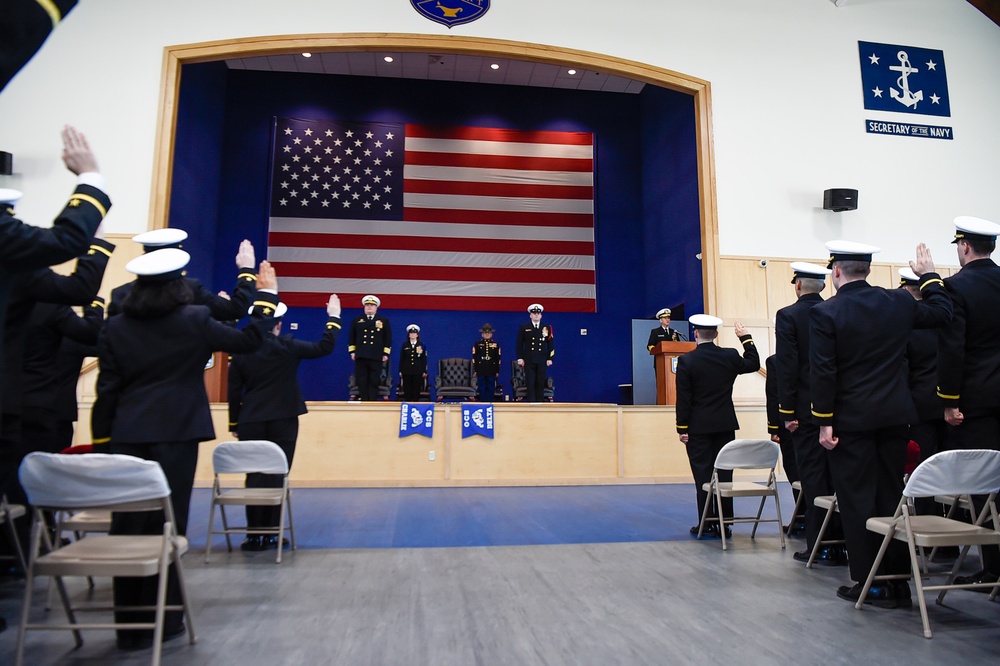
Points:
[(663, 332)]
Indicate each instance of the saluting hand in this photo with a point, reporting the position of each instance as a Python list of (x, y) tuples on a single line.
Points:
[(740, 329), (333, 306), (924, 262), (266, 277), (76, 154), (245, 256)]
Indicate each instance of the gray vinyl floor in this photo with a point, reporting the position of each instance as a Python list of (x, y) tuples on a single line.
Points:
[(679, 602)]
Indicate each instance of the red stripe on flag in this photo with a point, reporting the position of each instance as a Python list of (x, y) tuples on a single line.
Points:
[(421, 302), (511, 189), (574, 220), (420, 243), (499, 134), (382, 272), (420, 158)]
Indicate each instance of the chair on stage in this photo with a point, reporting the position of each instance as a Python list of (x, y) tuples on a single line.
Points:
[(425, 389), (248, 457), (384, 384), (455, 380), (103, 482), (519, 387), (744, 454), (962, 473), (8, 514)]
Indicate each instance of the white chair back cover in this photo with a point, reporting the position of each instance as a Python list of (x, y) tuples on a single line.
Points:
[(960, 472), (747, 454), (91, 479), (247, 456)]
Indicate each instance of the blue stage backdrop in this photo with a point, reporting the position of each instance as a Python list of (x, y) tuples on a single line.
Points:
[(646, 217)]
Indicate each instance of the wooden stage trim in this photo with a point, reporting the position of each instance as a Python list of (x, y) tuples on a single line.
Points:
[(350, 444)]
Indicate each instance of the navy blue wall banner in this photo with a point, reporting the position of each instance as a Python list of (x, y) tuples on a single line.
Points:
[(477, 420), (905, 79), (451, 12), (416, 419), (909, 129)]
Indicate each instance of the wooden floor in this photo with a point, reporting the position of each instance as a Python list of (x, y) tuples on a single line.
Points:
[(645, 602)]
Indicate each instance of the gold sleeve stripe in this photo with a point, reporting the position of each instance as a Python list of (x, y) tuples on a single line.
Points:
[(98, 248), (263, 304), (786, 411), (248, 275), (386, 351), (92, 201), (946, 396), (822, 416), (52, 10), (748, 342), (332, 324), (680, 427), (96, 304), (932, 281), (351, 348), (101, 440)]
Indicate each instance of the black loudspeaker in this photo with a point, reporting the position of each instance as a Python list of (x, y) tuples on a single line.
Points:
[(6, 164), (840, 199)]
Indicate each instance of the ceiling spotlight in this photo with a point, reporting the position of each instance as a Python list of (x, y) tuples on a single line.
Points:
[(307, 55), (571, 72), (494, 66), (387, 58)]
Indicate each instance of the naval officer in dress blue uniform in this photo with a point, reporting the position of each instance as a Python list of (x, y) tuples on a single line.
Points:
[(369, 342), (535, 351)]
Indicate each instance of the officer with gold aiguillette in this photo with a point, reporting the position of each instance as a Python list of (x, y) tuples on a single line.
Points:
[(370, 342)]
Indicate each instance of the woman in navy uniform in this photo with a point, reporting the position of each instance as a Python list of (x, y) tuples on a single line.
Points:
[(151, 400), (369, 342), (265, 402), (535, 350), (412, 364), (486, 362)]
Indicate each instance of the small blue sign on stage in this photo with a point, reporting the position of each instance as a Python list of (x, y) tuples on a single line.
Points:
[(416, 419), (451, 12), (477, 420), (909, 129), (905, 79)]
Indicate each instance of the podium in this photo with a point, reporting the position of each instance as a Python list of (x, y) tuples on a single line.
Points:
[(664, 355), (217, 377)]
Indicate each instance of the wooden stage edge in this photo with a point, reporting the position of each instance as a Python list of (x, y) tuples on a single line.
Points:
[(357, 445)]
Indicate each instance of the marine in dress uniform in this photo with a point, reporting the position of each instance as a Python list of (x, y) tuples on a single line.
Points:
[(412, 364), (535, 351), (265, 402), (223, 309), (151, 400), (969, 356), (706, 418), (791, 331), (862, 403), (369, 341), (486, 362)]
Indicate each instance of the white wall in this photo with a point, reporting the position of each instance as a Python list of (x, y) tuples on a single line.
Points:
[(787, 101)]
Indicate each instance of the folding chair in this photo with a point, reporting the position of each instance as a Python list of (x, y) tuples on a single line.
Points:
[(797, 509), (744, 454), (829, 504), (964, 473), (108, 482), (247, 457), (8, 514)]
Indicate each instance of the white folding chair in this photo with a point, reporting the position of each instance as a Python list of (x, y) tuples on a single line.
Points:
[(247, 457), (797, 513), (829, 504), (105, 482), (8, 514), (745, 454), (963, 473)]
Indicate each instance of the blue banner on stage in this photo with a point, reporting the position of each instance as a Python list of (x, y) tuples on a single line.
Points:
[(416, 419), (908, 129), (905, 79), (477, 420)]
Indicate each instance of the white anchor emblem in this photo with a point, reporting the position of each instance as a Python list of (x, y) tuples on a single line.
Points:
[(906, 98)]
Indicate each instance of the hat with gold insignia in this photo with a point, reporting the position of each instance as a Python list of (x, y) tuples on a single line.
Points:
[(975, 228), (159, 266), (9, 196), (907, 277), (842, 250), (371, 300), (803, 269), (159, 239), (704, 321), (486, 329), (412, 327), (536, 308), (279, 311), (665, 312)]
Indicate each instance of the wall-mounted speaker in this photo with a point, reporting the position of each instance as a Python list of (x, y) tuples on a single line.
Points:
[(840, 199), (6, 164)]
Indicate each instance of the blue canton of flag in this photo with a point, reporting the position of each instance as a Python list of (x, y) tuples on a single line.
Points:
[(416, 419), (905, 79), (477, 420)]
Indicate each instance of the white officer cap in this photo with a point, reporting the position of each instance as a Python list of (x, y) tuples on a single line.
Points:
[(907, 276), (804, 269), (279, 311), (704, 321), (9, 196), (842, 250), (412, 327), (371, 300), (158, 239), (159, 266), (975, 228), (536, 307), (665, 312)]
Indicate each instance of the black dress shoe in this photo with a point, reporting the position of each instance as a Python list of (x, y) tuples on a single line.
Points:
[(827, 557), (884, 594), (252, 543), (797, 528), (982, 576), (271, 543)]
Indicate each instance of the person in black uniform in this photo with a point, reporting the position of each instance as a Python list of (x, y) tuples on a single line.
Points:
[(791, 331), (969, 357), (151, 401), (265, 402), (486, 363), (862, 403), (706, 418), (535, 351), (369, 341), (663, 332), (412, 364), (779, 435), (223, 307)]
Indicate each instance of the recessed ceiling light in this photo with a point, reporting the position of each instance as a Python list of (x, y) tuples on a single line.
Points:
[(571, 72), (494, 66), (387, 58), (307, 55)]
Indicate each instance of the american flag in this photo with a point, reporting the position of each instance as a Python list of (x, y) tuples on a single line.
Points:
[(432, 218)]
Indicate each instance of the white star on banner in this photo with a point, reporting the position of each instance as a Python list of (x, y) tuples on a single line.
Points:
[(931, 64), (873, 58), (935, 99), (877, 91)]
